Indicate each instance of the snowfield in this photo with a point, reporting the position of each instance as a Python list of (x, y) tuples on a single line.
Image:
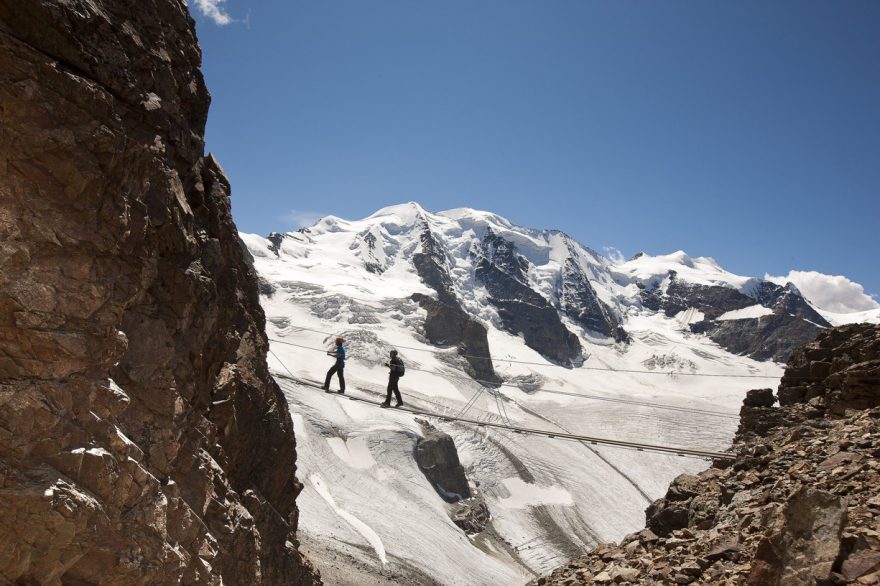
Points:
[(368, 515)]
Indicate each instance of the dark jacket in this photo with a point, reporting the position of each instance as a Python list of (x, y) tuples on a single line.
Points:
[(394, 372)]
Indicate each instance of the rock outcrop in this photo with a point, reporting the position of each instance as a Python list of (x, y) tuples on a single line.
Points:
[(791, 323), (798, 505), (503, 271), (447, 323), (437, 458), (142, 439), (578, 299), (836, 372)]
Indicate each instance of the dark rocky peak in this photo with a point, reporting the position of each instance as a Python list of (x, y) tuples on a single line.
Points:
[(711, 300), (787, 299), (578, 300), (369, 248), (521, 309), (770, 337), (275, 238), (501, 254), (447, 323), (432, 267), (370, 240), (430, 245)]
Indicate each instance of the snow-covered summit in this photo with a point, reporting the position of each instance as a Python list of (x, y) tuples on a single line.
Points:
[(556, 285), (508, 324), (700, 270)]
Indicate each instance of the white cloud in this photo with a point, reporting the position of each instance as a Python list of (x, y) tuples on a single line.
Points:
[(213, 9), (303, 219), (614, 255), (832, 293)]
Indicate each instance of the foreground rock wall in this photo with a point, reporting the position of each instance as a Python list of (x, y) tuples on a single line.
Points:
[(800, 503), (142, 439)]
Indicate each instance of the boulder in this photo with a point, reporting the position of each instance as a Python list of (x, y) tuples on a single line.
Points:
[(437, 458), (472, 515), (759, 398), (804, 542)]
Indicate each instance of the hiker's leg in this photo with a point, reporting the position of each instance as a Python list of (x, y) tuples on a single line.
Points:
[(341, 379), (330, 374), (393, 385)]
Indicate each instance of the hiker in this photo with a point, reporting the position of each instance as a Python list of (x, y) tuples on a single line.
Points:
[(395, 371), (337, 368)]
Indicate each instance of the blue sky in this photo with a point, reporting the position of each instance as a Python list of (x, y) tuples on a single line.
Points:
[(746, 131)]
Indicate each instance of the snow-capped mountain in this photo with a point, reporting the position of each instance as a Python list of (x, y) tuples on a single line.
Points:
[(506, 324), (477, 268)]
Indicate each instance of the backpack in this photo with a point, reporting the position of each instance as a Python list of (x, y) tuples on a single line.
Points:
[(401, 369)]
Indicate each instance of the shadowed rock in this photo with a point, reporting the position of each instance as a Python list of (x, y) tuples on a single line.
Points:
[(522, 310), (792, 323), (447, 324), (437, 458), (141, 435)]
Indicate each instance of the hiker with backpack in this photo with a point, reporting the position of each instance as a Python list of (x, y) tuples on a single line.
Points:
[(396, 370), (338, 368)]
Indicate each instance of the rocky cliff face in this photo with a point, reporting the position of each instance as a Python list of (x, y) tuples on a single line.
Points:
[(437, 458), (578, 299), (799, 504), (142, 439), (446, 322), (790, 322), (521, 309)]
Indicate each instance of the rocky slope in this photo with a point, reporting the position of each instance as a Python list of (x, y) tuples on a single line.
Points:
[(142, 439), (784, 320), (799, 505)]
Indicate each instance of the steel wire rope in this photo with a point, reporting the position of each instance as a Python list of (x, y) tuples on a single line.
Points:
[(582, 367), (469, 404), (458, 417), (502, 412), (598, 368), (552, 391), (620, 444)]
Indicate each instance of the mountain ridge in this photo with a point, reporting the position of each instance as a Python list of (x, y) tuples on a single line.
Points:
[(546, 286)]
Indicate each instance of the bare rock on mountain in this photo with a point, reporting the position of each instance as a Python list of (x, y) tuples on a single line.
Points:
[(142, 439), (790, 323), (797, 505), (839, 370), (437, 458), (447, 323), (578, 299), (502, 270), (803, 543)]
